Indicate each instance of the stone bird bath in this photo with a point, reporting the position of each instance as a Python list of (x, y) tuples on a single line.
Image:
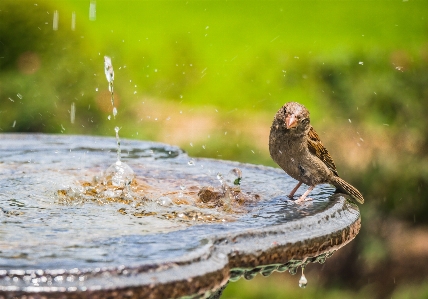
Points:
[(179, 229)]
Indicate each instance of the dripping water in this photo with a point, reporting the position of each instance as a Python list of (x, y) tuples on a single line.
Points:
[(303, 282)]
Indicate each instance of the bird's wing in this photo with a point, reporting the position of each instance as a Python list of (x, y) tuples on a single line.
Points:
[(317, 148)]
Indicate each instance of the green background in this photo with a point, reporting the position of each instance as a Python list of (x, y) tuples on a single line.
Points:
[(210, 75)]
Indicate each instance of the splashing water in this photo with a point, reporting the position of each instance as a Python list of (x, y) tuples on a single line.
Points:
[(234, 177), (116, 129), (303, 282), (230, 186), (119, 174), (108, 69)]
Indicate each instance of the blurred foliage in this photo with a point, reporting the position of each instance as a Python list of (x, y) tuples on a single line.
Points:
[(209, 76), (41, 72)]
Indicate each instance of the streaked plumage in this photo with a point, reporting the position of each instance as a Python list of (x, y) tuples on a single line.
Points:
[(297, 149)]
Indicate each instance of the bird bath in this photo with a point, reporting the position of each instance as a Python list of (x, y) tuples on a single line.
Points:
[(174, 232)]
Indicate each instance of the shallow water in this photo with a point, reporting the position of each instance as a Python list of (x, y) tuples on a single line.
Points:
[(39, 230)]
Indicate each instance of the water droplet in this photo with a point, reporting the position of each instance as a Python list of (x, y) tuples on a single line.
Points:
[(108, 69), (93, 10), (303, 282), (73, 21), (361, 63), (220, 177), (191, 162), (234, 177), (293, 271), (19, 96), (55, 20), (114, 111), (96, 89), (72, 113)]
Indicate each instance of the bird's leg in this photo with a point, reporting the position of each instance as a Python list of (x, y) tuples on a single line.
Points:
[(302, 198), (294, 190)]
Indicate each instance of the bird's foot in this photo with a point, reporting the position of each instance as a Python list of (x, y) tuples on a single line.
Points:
[(302, 199)]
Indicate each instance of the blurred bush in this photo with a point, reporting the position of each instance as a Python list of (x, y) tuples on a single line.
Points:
[(42, 72)]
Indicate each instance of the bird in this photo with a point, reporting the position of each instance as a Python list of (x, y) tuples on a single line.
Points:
[(297, 149)]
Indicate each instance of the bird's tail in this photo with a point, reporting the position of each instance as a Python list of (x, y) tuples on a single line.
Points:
[(347, 188)]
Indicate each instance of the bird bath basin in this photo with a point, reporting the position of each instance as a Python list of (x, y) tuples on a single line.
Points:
[(175, 231)]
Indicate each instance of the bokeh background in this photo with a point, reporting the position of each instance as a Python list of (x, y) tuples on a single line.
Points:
[(210, 75)]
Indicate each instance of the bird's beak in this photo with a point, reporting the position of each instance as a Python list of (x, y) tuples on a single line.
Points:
[(291, 121)]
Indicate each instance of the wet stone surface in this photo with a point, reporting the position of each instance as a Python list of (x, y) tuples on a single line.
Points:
[(181, 227)]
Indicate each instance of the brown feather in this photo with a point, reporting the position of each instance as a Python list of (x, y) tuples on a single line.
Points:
[(317, 148)]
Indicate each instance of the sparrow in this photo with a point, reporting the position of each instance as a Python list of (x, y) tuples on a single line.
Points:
[(297, 149)]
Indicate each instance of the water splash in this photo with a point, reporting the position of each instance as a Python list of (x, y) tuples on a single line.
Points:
[(230, 186), (116, 129), (119, 174), (109, 72), (234, 177)]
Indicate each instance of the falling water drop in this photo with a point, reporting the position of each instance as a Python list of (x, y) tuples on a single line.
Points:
[(119, 173), (73, 21), (72, 113), (116, 129), (92, 10), (55, 20), (109, 72), (303, 282)]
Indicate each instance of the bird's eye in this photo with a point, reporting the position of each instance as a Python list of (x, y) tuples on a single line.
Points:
[(305, 121)]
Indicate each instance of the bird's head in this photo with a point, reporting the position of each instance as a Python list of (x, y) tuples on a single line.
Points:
[(295, 117)]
